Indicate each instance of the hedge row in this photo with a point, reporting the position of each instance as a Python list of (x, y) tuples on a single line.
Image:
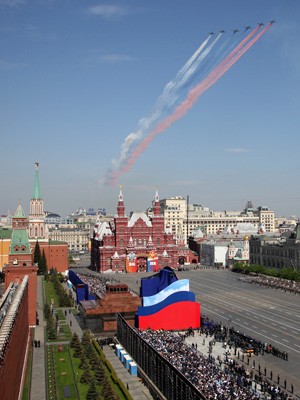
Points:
[(112, 372), (283, 273)]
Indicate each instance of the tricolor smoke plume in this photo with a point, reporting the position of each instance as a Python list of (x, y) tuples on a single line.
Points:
[(200, 72)]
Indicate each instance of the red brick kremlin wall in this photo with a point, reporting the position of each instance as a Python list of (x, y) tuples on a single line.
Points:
[(11, 365), (56, 255), (17, 274)]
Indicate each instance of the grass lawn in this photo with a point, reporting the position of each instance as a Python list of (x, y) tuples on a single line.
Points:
[(60, 315), (64, 334), (50, 294), (82, 388), (65, 371)]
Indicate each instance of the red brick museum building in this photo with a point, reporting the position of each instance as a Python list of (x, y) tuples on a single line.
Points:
[(137, 243)]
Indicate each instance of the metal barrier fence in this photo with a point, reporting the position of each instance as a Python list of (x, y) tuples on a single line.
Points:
[(171, 383)]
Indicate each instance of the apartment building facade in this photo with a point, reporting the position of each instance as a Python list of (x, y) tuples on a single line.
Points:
[(184, 219)]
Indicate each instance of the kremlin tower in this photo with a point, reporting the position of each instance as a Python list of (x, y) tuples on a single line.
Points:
[(20, 261), (36, 216), (56, 253)]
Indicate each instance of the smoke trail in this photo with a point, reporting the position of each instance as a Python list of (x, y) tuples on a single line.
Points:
[(220, 55), (169, 98), (145, 124), (186, 67), (192, 97)]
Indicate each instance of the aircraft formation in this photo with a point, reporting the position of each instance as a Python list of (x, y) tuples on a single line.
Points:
[(211, 60), (260, 24)]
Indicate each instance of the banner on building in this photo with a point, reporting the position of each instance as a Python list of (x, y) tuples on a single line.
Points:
[(152, 262), (131, 262)]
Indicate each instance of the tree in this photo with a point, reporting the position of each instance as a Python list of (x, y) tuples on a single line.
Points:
[(70, 259), (99, 372), (47, 311), (51, 328), (42, 265), (78, 351), (86, 338), (92, 393), (84, 364), (92, 357), (37, 253), (107, 391), (86, 377), (75, 342)]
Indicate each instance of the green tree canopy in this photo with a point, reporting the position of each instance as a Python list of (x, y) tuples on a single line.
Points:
[(42, 270), (37, 253)]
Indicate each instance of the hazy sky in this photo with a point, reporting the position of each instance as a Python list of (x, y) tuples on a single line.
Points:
[(76, 77)]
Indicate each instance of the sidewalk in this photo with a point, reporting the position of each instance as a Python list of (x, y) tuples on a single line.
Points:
[(72, 322), (38, 379), (136, 388)]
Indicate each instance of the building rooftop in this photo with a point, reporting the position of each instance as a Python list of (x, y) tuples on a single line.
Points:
[(5, 233)]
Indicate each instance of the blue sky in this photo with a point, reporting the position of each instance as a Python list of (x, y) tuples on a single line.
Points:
[(77, 76)]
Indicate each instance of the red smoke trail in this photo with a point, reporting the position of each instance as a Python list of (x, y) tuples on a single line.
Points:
[(192, 97), (221, 69)]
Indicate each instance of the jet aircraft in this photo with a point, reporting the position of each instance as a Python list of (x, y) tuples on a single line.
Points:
[(235, 30), (247, 27), (222, 31), (211, 33), (260, 23), (272, 22)]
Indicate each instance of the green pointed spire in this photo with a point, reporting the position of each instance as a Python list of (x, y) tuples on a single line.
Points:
[(19, 212), (36, 189)]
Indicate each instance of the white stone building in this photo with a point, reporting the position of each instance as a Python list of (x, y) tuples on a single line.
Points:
[(183, 219)]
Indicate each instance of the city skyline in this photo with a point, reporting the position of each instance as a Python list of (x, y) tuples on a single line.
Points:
[(77, 78)]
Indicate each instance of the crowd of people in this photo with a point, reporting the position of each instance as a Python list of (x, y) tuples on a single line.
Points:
[(231, 381), (212, 381), (238, 339), (272, 282), (96, 285)]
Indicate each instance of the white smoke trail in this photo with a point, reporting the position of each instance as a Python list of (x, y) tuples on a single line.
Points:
[(192, 97), (167, 99)]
